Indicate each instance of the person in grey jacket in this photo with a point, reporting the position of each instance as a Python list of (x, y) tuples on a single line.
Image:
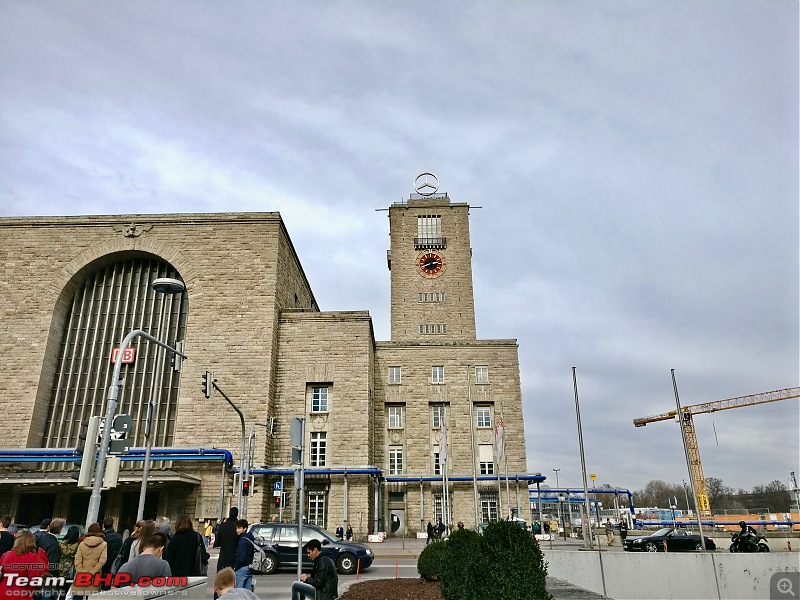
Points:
[(225, 585), (323, 576)]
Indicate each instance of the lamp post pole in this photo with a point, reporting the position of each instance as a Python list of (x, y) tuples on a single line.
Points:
[(111, 410), (559, 500), (588, 537), (165, 286)]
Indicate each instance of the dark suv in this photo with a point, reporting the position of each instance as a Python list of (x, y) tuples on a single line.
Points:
[(279, 541)]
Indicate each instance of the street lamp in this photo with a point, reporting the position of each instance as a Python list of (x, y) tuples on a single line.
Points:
[(561, 498), (111, 410), (166, 286)]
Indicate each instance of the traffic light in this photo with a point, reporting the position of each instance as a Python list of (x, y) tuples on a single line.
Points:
[(246, 487), (253, 488), (278, 501), (208, 384), (87, 448)]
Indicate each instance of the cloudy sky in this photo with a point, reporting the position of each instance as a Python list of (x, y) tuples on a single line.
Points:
[(636, 165)]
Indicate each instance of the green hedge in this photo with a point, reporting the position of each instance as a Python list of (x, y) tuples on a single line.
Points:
[(429, 563), (505, 562)]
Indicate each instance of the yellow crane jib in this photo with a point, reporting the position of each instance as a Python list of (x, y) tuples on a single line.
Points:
[(691, 438)]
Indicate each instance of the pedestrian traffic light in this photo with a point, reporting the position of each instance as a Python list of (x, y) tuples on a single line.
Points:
[(253, 488), (277, 501), (87, 448), (246, 487), (208, 384)]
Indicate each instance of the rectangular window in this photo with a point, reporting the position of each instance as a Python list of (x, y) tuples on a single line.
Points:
[(395, 460), (319, 441), (437, 464), (481, 374), (316, 508), (486, 459), (484, 415), (395, 417), (437, 416), (394, 375), (319, 399), (488, 507), (429, 227), (431, 296), (437, 374)]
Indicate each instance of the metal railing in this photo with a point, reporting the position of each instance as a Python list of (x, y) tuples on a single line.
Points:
[(434, 243)]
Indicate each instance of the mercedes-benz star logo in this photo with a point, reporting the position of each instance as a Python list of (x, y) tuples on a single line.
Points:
[(426, 184)]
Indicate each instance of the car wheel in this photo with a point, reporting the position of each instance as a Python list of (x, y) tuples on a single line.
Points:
[(270, 563), (651, 547), (346, 564), (732, 548), (698, 546)]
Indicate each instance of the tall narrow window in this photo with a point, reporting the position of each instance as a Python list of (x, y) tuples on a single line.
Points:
[(395, 417), (319, 440), (486, 459), (484, 416), (394, 375), (437, 374), (437, 463), (395, 460), (481, 374), (316, 508), (437, 416), (319, 399)]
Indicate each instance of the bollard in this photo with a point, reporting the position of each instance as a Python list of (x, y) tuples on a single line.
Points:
[(358, 568), (303, 591), (665, 545), (789, 545), (396, 568)]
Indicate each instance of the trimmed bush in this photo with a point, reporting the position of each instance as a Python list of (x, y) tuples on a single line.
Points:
[(458, 564), (429, 563)]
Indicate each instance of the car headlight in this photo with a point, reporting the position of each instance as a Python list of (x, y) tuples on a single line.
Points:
[(369, 552)]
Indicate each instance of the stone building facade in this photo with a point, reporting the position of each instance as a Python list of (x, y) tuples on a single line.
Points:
[(375, 412)]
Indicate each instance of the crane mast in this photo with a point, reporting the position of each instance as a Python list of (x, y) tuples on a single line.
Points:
[(688, 413)]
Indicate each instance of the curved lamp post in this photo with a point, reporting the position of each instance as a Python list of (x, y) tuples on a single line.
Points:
[(165, 286)]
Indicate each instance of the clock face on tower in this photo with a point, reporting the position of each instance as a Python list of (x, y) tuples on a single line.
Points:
[(430, 264)]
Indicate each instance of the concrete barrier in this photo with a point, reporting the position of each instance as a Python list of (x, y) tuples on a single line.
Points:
[(674, 576)]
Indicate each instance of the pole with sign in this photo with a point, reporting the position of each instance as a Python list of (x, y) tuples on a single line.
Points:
[(297, 432)]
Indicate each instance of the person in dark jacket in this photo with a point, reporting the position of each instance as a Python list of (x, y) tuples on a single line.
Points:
[(323, 576), (181, 552), (6, 538), (48, 541), (114, 541), (227, 540), (244, 556)]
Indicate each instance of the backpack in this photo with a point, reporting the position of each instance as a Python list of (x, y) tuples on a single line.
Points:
[(259, 558)]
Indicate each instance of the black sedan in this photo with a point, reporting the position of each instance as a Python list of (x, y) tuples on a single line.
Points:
[(677, 540)]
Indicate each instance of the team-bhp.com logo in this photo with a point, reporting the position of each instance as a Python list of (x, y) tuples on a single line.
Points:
[(94, 580)]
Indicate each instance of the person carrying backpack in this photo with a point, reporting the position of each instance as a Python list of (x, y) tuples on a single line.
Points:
[(244, 556)]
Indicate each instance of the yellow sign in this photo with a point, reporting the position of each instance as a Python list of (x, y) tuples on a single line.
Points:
[(592, 476)]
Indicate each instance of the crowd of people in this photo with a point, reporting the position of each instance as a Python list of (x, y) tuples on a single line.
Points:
[(152, 550)]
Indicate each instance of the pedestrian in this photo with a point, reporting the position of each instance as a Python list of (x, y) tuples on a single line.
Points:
[(149, 562), (227, 540), (186, 547), (22, 560), (39, 531), (147, 529), (89, 558), (125, 553), (349, 533), (6, 537), (162, 525), (69, 546), (340, 533), (431, 533), (546, 528), (114, 541), (623, 530), (48, 541), (207, 531), (323, 575), (225, 585), (440, 529), (460, 525), (609, 532), (244, 556)]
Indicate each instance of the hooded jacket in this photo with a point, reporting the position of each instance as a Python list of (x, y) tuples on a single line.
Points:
[(90, 558)]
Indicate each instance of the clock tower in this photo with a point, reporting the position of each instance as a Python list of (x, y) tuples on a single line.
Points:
[(430, 260)]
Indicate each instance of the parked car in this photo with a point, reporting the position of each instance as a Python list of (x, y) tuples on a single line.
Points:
[(15, 527), (677, 540), (279, 541)]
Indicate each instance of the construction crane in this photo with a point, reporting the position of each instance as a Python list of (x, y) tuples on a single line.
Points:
[(691, 439)]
